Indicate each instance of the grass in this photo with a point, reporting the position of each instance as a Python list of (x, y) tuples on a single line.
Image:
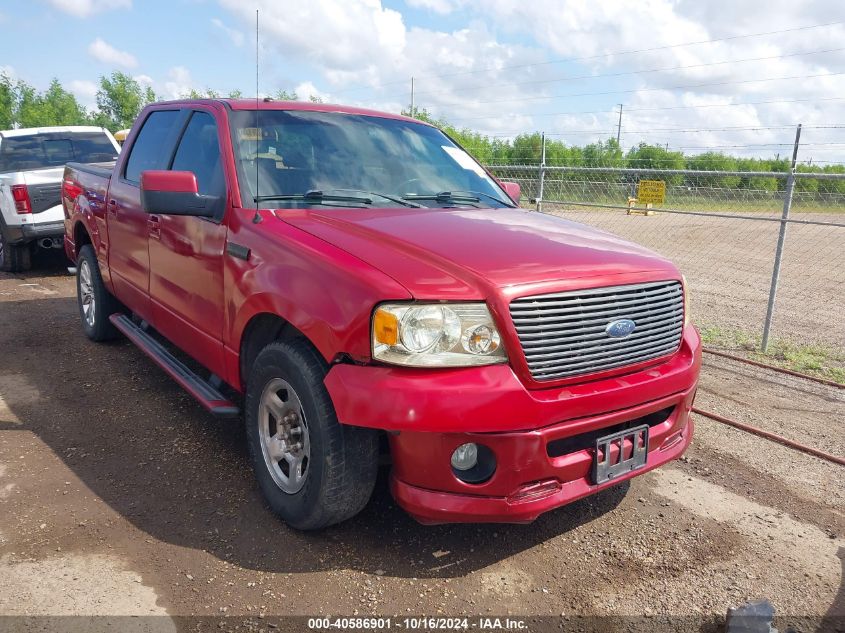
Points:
[(715, 205), (813, 359)]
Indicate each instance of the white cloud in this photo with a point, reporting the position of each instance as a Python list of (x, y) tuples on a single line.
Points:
[(179, 83), (438, 6), (500, 70), (237, 37), (329, 32), (85, 8), (306, 90), (104, 52), (85, 92), (326, 35)]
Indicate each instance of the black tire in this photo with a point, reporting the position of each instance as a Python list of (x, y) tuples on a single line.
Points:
[(343, 464), (14, 258), (97, 327)]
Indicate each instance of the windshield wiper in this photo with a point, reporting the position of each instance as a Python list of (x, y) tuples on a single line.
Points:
[(321, 197), (488, 196), (455, 196), (395, 199), (313, 196)]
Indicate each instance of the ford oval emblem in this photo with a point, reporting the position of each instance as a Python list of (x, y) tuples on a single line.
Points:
[(620, 328)]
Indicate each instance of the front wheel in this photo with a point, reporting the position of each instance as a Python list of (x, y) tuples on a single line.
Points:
[(96, 304), (312, 470)]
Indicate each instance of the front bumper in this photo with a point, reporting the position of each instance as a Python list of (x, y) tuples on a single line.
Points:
[(430, 413)]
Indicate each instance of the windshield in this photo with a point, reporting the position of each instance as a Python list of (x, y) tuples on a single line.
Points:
[(54, 149), (353, 160)]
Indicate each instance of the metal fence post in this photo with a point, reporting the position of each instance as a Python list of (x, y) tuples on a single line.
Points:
[(787, 206), (541, 175)]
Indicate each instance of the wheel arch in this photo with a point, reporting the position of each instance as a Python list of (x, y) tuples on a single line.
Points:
[(84, 229), (81, 236), (262, 329)]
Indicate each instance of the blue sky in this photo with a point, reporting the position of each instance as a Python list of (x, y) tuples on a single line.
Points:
[(497, 66)]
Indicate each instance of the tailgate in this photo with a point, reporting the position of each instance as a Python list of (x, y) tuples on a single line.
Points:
[(45, 196)]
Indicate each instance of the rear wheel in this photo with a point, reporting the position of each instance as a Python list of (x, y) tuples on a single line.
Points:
[(14, 258), (96, 304), (312, 470)]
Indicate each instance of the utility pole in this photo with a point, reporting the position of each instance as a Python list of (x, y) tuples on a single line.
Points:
[(412, 97), (619, 125)]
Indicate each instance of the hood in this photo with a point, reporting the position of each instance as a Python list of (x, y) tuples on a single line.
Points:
[(461, 253)]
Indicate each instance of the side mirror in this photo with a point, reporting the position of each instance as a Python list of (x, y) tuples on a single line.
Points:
[(513, 190), (175, 193)]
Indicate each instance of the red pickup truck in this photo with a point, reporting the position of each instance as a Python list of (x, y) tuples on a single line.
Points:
[(356, 283)]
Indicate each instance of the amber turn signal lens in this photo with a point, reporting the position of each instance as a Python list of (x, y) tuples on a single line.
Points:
[(385, 327)]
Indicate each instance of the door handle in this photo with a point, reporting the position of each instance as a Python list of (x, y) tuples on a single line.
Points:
[(113, 206), (154, 226)]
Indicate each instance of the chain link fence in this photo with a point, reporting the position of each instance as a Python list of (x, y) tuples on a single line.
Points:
[(762, 251)]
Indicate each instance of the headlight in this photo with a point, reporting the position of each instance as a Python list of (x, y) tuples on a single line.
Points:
[(686, 301), (436, 335)]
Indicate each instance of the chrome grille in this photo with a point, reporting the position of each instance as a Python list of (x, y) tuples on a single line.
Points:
[(563, 334)]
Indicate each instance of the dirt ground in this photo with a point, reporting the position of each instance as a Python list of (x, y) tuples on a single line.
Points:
[(120, 496), (728, 264)]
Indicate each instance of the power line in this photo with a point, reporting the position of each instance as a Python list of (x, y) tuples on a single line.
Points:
[(631, 72), (638, 90), (655, 109), (739, 128), (601, 56)]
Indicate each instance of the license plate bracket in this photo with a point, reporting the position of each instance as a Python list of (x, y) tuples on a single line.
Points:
[(609, 458)]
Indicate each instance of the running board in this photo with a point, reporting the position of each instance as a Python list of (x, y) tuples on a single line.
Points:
[(209, 397)]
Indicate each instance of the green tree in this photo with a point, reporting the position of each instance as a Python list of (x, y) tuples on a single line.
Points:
[(208, 93), (527, 149), (713, 161), (833, 186), (30, 110), (603, 154), (7, 102), (60, 107), (119, 100), (646, 156), (756, 183), (806, 185)]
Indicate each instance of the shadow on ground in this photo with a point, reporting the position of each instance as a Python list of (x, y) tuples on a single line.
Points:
[(153, 455)]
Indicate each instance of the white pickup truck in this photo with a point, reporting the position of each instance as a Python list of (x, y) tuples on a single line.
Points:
[(32, 162)]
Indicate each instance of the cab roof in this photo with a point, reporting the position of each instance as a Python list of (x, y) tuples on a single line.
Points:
[(272, 104)]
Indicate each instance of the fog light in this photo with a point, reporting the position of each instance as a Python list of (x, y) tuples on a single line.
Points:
[(465, 456)]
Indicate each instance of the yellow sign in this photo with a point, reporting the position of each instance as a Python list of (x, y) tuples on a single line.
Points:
[(651, 191)]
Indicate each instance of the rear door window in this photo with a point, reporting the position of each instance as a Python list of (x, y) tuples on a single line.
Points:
[(152, 147)]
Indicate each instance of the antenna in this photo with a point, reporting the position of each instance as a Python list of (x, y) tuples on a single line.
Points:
[(258, 142)]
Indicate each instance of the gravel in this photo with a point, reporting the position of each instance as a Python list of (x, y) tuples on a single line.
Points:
[(113, 481)]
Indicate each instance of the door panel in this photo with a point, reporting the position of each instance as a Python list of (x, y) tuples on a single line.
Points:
[(128, 223), (186, 286), (129, 260), (186, 257)]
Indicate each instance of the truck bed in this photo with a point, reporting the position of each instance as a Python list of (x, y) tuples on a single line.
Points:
[(103, 170)]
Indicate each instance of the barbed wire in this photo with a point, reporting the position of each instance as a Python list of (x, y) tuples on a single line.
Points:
[(735, 82)]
